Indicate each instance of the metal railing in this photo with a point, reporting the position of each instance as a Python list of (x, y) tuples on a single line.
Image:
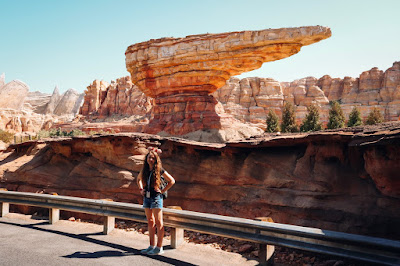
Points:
[(370, 249)]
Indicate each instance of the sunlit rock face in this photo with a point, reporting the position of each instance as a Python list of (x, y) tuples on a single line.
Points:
[(342, 180), (13, 94), (250, 99), (24, 111), (180, 73), (121, 97)]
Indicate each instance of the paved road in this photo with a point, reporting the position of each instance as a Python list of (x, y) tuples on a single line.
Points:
[(26, 241)]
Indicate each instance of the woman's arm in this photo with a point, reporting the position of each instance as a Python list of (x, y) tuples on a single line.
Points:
[(139, 182), (169, 179)]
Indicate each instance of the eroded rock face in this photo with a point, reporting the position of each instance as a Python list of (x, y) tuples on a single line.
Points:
[(341, 181), (52, 103), (24, 111), (13, 94), (36, 102), (93, 95), (69, 103), (180, 73), (120, 97), (23, 121), (250, 99), (204, 62)]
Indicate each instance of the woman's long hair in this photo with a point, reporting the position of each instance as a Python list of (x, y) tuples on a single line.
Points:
[(156, 177)]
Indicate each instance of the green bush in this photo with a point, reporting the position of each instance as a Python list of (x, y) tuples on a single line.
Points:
[(288, 120), (76, 132), (311, 121), (6, 136), (43, 134), (336, 116), (354, 118), (272, 122), (54, 133), (374, 117)]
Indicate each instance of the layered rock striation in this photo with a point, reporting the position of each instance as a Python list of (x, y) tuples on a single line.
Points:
[(180, 73), (121, 97), (345, 180), (250, 99)]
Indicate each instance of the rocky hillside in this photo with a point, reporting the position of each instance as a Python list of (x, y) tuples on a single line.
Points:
[(22, 110), (339, 180), (250, 99)]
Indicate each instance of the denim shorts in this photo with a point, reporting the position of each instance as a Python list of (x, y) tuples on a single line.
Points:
[(153, 202)]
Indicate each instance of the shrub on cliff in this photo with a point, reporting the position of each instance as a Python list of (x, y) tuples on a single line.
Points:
[(272, 122), (311, 121), (336, 116), (6, 136), (76, 132), (288, 122), (53, 133), (374, 117), (354, 118)]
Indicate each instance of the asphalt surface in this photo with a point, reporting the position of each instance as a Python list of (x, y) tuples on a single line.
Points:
[(27, 241)]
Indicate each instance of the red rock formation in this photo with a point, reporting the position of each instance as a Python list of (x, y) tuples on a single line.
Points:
[(180, 73), (372, 89), (93, 97), (342, 181), (118, 98)]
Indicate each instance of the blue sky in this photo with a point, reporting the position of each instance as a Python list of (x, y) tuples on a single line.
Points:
[(71, 43)]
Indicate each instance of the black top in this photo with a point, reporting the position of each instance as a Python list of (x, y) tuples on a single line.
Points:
[(150, 181)]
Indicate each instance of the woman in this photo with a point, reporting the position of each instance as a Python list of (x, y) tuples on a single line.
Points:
[(149, 182)]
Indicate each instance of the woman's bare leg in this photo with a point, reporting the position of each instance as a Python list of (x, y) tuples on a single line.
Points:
[(158, 215), (151, 225)]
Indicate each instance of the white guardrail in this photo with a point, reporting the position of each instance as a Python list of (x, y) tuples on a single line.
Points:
[(370, 249)]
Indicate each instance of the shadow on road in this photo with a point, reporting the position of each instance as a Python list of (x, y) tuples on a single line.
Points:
[(98, 254), (125, 251)]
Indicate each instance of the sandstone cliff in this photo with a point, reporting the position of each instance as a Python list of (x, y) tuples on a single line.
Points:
[(120, 97), (21, 110), (69, 103), (53, 101), (250, 99), (36, 102), (13, 94), (339, 180)]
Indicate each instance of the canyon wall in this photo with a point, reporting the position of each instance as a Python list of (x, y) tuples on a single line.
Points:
[(345, 180), (249, 99)]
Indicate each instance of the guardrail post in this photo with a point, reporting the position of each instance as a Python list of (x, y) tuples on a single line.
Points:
[(54, 215), (266, 253), (4, 208), (176, 237), (176, 233), (109, 224)]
